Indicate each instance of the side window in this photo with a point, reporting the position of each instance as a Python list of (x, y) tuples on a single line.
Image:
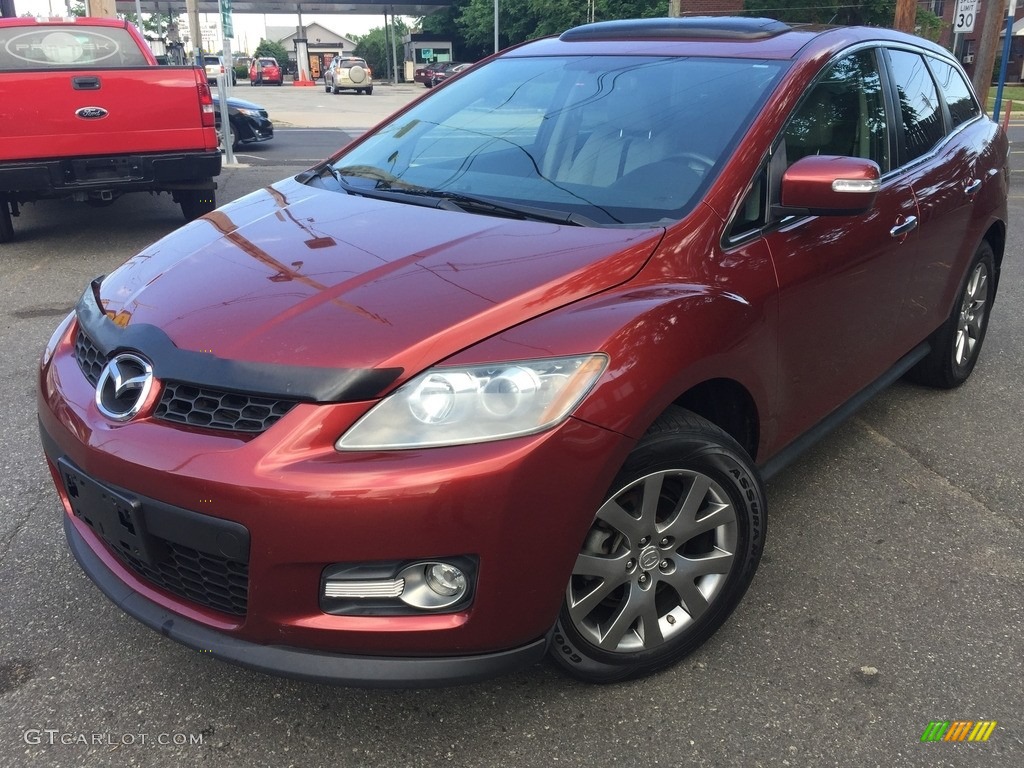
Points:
[(918, 103), (844, 114), (959, 98)]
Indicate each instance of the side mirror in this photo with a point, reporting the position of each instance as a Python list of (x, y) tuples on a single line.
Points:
[(830, 185)]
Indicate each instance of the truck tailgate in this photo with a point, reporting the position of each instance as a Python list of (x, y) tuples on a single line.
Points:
[(101, 112)]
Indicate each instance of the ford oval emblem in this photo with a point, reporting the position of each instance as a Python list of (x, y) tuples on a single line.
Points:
[(91, 113)]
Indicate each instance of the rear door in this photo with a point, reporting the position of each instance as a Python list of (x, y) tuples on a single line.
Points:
[(943, 136)]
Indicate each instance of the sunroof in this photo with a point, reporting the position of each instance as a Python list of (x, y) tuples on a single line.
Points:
[(711, 27)]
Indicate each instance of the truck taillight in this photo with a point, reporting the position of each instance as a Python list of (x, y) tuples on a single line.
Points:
[(205, 98)]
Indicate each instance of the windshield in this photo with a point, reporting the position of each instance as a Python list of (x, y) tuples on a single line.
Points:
[(617, 140)]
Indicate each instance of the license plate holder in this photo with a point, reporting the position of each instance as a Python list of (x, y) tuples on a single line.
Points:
[(116, 517)]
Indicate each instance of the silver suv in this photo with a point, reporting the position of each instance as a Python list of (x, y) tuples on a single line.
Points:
[(348, 73), (215, 67)]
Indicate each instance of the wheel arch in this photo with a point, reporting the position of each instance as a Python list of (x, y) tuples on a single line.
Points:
[(995, 236), (729, 405)]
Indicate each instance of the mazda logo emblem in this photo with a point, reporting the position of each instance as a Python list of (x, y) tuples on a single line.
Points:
[(123, 387), (91, 113)]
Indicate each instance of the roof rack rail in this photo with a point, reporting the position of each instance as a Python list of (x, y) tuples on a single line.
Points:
[(709, 27)]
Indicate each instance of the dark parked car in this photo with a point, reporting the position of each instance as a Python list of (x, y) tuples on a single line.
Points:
[(504, 376), (446, 73), (425, 74), (249, 122)]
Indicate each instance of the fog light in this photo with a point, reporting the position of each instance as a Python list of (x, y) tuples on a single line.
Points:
[(445, 579), (433, 585)]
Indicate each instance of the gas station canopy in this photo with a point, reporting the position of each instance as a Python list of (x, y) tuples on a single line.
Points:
[(363, 7)]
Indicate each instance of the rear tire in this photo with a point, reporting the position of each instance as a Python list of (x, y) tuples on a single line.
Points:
[(6, 222), (957, 344), (196, 202), (668, 557)]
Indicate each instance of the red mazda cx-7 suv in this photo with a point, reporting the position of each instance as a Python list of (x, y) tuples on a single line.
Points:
[(504, 376)]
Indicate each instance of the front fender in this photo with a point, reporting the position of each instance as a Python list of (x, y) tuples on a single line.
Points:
[(662, 340)]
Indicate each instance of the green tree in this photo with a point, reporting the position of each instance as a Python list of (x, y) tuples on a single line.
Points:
[(875, 13), (374, 48), (469, 24), (272, 49)]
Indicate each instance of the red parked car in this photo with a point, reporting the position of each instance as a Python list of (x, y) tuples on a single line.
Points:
[(264, 70), (504, 376)]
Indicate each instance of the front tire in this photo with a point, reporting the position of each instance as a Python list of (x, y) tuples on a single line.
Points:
[(232, 135), (957, 344), (668, 557)]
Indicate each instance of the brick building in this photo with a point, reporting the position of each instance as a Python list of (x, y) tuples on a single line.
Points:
[(966, 46)]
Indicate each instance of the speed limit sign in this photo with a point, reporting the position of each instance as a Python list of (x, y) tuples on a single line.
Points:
[(965, 16)]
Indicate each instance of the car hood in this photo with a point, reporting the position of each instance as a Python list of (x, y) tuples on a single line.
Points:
[(236, 103), (296, 275)]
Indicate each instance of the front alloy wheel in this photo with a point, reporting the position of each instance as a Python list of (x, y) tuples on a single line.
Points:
[(669, 554)]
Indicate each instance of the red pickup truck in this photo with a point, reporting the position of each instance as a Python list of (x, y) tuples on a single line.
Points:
[(88, 114)]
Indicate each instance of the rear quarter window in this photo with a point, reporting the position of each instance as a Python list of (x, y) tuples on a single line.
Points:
[(963, 107), (68, 47)]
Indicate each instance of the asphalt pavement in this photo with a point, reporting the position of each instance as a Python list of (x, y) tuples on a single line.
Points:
[(889, 595)]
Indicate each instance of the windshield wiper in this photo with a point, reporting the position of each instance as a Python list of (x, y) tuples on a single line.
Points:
[(458, 201), (390, 187)]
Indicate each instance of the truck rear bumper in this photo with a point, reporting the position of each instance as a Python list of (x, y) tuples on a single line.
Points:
[(35, 179)]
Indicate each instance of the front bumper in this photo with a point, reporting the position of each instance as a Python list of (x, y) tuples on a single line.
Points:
[(305, 507), (297, 663)]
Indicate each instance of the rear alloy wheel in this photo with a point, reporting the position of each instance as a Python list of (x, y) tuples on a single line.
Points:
[(957, 344), (196, 202), (6, 223), (668, 557)]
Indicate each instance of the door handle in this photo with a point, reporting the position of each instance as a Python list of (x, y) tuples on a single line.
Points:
[(907, 226), (85, 83), (973, 187)]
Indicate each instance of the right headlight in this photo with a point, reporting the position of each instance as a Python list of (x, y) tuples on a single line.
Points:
[(455, 406)]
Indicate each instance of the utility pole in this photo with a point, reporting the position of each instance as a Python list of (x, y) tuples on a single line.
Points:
[(906, 16), (985, 58), (192, 8), (675, 8)]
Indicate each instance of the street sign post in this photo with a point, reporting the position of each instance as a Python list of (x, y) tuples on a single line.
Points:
[(225, 19), (965, 15)]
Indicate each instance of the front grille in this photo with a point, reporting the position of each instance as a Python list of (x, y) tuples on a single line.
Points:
[(89, 357), (209, 580), (216, 409), (204, 407), (198, 557)]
